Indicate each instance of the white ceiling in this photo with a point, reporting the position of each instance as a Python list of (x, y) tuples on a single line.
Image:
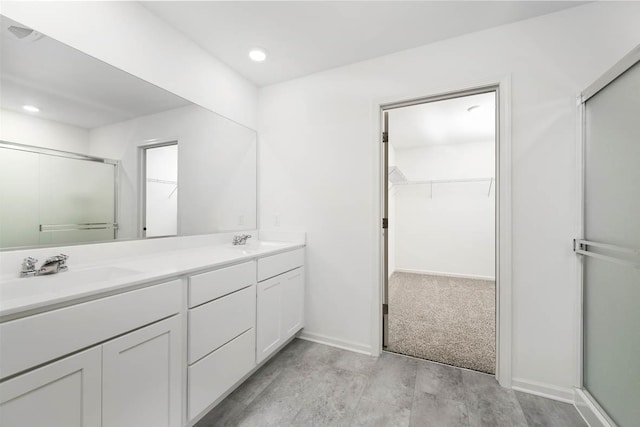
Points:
[(71, 87), (443, 122), (304, 37)]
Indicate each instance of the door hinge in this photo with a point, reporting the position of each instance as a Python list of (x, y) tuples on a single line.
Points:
[(385, 137), (385, 308), (385, 223)]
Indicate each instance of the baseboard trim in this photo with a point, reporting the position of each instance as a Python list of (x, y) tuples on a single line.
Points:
[(336, 342), (445, 274), (549, 391), (593, 415)]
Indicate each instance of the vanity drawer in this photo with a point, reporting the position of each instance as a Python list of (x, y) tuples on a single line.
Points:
[(212, 376), (214, 284), (40, 338), (213, 324), (273, 265)]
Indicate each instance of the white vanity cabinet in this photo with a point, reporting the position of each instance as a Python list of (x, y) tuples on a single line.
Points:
[(141, 377), (222, 321), (66, 393), (280, 307), (131, 373), (120, 360)]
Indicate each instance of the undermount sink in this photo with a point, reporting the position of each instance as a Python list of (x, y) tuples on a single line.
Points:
[(99, 274), (257, 245), (55, 282)]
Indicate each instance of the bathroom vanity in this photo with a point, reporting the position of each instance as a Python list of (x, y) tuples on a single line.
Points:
[(150, 332), (156, 339)]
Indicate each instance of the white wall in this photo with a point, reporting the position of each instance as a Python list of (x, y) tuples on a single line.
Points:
[(451, 231), (130, 37), (32, 130), (216, 168), (317, 170)]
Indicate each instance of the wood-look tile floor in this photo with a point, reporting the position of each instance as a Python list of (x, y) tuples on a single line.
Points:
[(310, 384)]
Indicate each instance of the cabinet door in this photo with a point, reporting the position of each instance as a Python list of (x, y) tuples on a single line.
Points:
[(292, 302), (142, 377), (65, 393), (269, 317)]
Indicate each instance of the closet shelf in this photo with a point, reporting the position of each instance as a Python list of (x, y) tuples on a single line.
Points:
[(430, 183)]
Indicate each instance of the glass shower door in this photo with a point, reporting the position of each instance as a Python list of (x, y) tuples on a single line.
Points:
[(611, 248), (77, 200)]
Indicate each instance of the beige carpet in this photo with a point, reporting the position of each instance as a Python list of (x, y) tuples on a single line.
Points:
[(444, 319)]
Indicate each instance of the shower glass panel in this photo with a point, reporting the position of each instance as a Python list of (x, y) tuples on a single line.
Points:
[(611, 286), (67, 203), (19, 205), (50, 197)]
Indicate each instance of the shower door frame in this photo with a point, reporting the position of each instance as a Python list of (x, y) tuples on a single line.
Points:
[(584, 402), (502, 88)]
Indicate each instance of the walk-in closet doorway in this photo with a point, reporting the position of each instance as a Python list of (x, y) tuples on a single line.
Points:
[(440, 185)]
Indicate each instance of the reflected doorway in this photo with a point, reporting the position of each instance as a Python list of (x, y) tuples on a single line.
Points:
[(160, 190)]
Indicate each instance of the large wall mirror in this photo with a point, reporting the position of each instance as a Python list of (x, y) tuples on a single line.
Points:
[(90, 153)]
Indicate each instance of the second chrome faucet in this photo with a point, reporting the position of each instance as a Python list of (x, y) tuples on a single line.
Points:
[(241, 239), (52, 265)]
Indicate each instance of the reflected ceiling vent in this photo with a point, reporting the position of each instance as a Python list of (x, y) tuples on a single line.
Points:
[(25, 34)]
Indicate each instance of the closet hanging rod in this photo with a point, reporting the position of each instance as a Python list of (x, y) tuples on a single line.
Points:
[(162, 181), (446, 181)]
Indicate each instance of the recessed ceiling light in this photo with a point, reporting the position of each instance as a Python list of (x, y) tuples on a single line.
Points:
[(30, 108), (258, 54), (473, 108)]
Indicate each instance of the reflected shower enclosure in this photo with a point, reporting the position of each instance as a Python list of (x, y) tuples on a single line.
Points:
[(54, 197)]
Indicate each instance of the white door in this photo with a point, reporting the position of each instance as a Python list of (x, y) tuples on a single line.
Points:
[(269, 321), (66, 393), (142, 377), (292, 302)]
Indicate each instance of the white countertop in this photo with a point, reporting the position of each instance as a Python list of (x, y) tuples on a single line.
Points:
[(24, 296)]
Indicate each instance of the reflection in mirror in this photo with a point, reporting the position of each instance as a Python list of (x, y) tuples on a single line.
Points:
[(78, 162), (44, 202), (160, 192)]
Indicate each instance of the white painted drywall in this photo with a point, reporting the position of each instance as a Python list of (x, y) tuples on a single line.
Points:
[(31, 130), (130, 37), (216, 168), (317, 169), (451, 231)]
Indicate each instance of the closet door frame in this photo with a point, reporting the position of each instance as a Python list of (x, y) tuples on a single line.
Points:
[(502, 88), (585, 403)]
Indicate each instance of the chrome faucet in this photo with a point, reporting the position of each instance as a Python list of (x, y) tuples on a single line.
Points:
[(28, 267), (52, 265), (241, 239)]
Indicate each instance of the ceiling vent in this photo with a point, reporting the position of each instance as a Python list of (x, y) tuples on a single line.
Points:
[(25, 34)]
